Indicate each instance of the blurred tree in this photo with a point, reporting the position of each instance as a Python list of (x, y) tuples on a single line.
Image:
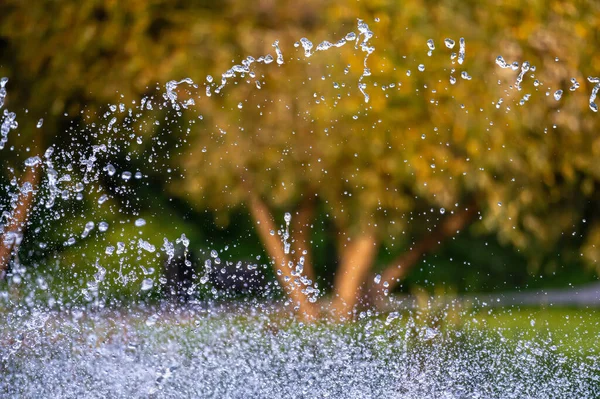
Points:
[(429, 140), (440, 143)]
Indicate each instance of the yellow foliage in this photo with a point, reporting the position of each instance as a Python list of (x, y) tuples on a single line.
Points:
[(420, 142)]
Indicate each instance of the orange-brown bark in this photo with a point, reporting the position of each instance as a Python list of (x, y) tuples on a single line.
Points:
[(275, 248), (17, 222), (356, 259)]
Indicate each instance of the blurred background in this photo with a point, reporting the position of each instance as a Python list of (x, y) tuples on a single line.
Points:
[(454, 177)]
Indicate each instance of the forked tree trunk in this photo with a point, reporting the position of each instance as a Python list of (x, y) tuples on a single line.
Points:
[(274, 247), (356, 259), (17, 222), (400, 266)]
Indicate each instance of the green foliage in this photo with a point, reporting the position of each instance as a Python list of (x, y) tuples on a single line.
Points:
[(419, 143)]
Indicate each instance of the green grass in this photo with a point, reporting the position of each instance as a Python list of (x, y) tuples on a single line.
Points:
[(571, 330)]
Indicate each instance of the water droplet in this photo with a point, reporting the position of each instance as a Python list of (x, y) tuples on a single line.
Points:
[(278, 52), (89, 226), (49, 152), (575, 84), (150, 321), (391, 317), (307, 46), (524, 69), (3, 82), (430, 333), (146, 246), (430, 44), (461, 51), (500, 61), (558, 94), (110, 169), (147, 284), (593, 105), (33, 161)]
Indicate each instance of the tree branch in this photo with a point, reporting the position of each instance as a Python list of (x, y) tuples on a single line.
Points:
[(301, 227), (449, 227), (274, 247), (16, 224)]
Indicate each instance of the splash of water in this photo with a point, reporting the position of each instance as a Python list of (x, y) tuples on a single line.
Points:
[(398, 369)]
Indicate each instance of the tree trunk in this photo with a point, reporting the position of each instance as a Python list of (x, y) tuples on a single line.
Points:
[(301, 229), (16, 224), (400, 266), (356, 259), (274, 247)]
